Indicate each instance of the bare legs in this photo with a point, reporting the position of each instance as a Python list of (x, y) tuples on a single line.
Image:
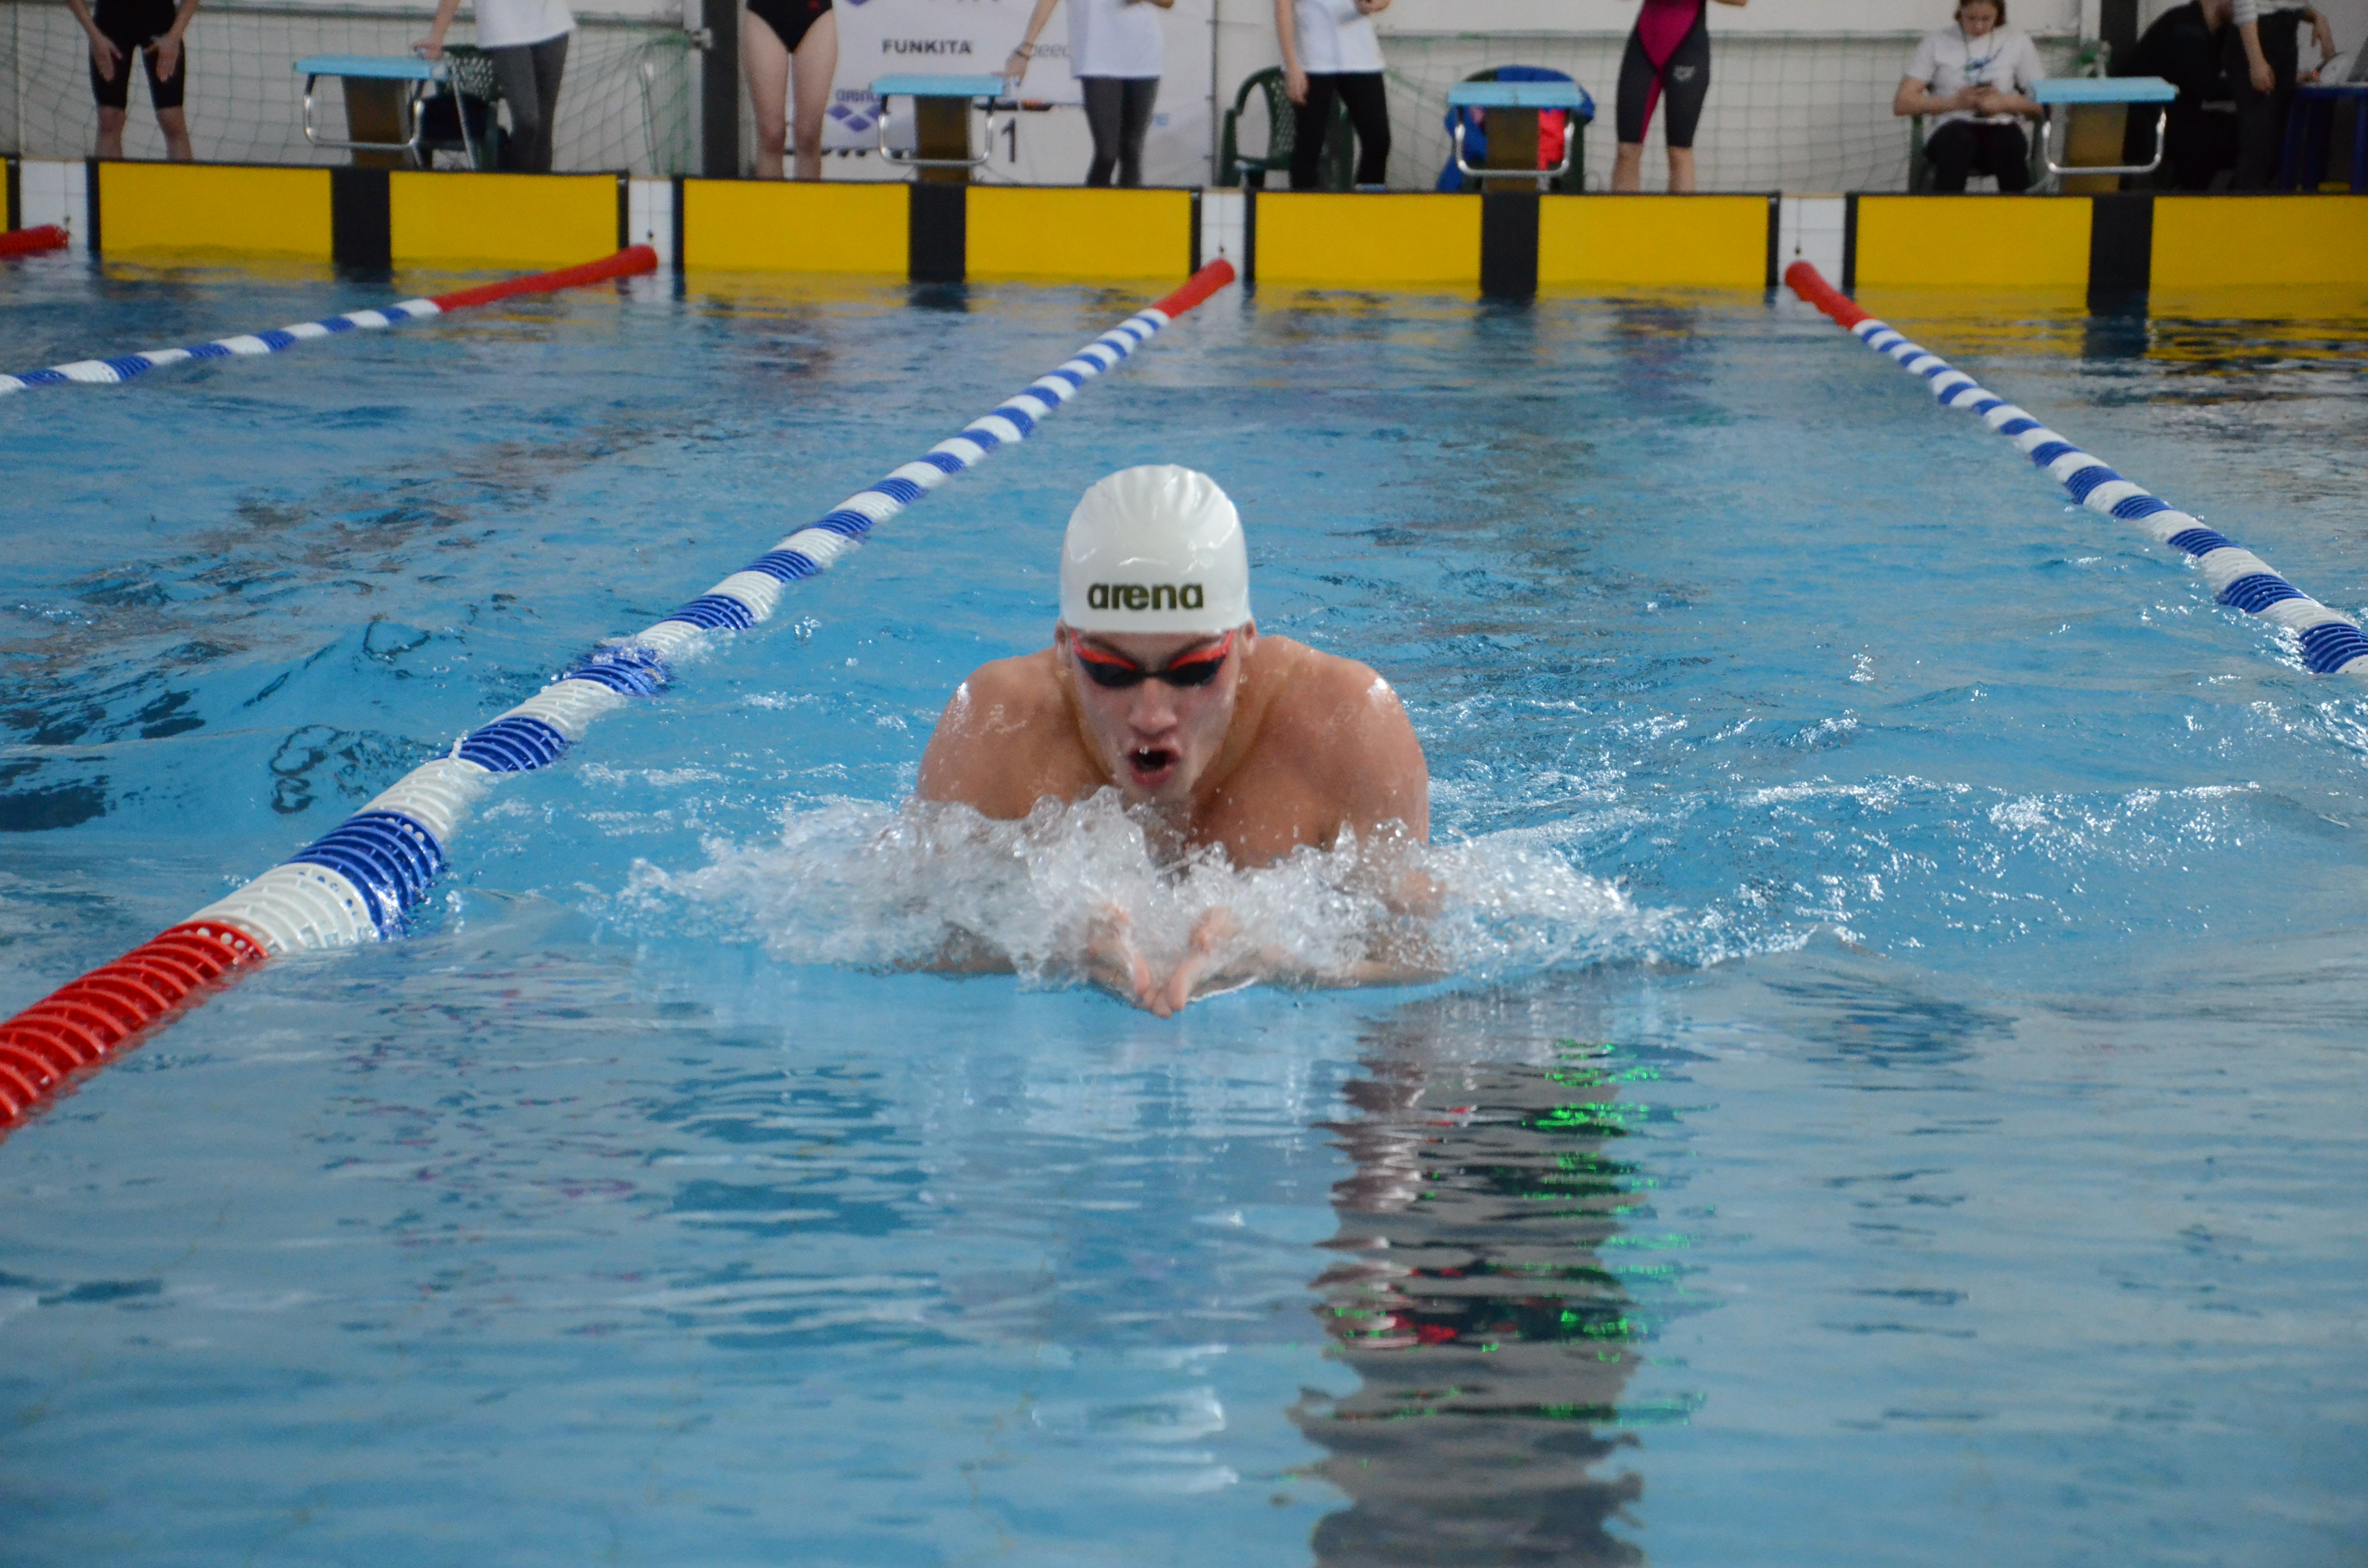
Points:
[(171, 121), (1628, 168), (770, 69)]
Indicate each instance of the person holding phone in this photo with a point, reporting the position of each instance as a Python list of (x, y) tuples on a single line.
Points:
[(1115, 53), (1330, 51), (1977, 78)]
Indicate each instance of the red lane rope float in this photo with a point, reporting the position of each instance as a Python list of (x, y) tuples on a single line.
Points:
[(1199, 287), (1811, 285), (630, 262), (84, 1022), (26, 241)]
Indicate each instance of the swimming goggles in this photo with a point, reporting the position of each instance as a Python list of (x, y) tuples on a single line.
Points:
[(1115, 672)]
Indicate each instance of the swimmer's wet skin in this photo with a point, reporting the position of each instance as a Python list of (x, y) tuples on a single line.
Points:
[(1158, 686)]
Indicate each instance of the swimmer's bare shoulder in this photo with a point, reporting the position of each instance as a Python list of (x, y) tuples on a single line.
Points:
[(1339, 730), (1007, 739)]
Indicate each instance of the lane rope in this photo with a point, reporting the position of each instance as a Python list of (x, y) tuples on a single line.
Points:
[(30, 241), (626, 263), (361, 881), (2331, 641)]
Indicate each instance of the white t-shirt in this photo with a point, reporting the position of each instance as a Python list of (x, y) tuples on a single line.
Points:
[(2001, 58), (1334, 38), (1114, 38), (506, 24)]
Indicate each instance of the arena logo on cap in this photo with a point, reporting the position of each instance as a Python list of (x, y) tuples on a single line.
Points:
[(1137, 595)]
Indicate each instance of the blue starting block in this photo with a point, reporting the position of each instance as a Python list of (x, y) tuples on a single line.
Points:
[(2074, 94), (943, 151), (1513, 108)]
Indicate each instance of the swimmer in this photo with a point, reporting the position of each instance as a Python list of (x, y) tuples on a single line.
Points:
[(1158, 685), (1667, 50)]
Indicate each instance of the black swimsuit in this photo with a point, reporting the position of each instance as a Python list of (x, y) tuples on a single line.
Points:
[(789, 19), (132, 25)]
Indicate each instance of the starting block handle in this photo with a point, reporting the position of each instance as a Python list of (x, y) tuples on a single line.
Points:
[(2057, 171), (1544, 178)]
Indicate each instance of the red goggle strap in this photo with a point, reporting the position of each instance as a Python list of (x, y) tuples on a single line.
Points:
[(1106, 660), (1215, 655)]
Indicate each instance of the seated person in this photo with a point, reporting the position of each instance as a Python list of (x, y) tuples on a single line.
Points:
[(1157, 685), (1977, 77)]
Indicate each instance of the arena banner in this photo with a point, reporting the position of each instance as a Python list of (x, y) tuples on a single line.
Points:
[(878, 38)]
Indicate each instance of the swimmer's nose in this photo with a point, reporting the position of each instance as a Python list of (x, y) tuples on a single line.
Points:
[(1154, 707)]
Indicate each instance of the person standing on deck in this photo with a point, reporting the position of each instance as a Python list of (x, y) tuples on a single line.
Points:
[(527, 41), (153, 30), (779, 40), (1329, 50), (1669, 53), (1115, 50)]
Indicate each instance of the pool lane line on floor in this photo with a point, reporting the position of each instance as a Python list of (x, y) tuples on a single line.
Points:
[(33, 240), (360, 881), (2331, 641), (626, 263)]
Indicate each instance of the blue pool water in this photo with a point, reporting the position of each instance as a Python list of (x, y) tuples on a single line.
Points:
[(1898, 1102)]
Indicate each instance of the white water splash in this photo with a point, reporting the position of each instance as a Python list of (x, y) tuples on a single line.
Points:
[(872, 886)]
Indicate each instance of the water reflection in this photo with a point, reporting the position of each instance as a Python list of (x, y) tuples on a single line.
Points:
[(1472, 1299)]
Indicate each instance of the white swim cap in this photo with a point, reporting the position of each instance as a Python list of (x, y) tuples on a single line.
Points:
[(1155, 549)]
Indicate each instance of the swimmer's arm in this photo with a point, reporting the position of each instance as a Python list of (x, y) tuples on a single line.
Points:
[(1359, 753), (987, 752)]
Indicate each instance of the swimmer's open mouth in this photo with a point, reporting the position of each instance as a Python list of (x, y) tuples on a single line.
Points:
[(1148, 760)]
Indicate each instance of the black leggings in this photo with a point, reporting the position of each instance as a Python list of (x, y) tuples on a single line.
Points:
[(529, 75), (1369, 112), (1118, 111), (1684, 77), (1964, 148)]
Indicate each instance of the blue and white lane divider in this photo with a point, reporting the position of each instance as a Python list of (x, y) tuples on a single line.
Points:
[(2331, 642), (360, 881), (633, 259), (124, 367)]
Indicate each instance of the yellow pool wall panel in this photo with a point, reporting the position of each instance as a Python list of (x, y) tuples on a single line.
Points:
[(1997, 244), (2216, 241), (500, 220), (1706, 242), (217, 207), (731, 226), (1323, 240), (1076, 234)]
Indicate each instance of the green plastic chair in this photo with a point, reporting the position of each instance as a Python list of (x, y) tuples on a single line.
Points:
[(1336, 171), (472, 90)]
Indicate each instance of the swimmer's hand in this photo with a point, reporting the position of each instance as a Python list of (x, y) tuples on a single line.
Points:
[(1209, 968), (1116, 964)]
